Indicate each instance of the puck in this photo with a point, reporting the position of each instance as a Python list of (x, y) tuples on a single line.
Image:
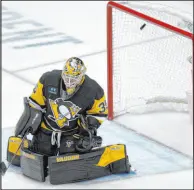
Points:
[(143, 26)]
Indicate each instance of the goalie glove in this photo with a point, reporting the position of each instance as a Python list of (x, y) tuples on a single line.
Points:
[(87, 137), (91, 123), (85, 144)]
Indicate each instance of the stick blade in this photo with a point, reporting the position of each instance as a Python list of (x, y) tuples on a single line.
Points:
[(3, 168)]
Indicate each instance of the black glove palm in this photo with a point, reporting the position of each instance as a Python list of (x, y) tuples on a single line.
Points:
[(87, 137)]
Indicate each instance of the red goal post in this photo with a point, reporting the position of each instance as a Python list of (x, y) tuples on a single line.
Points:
[(110, 49)]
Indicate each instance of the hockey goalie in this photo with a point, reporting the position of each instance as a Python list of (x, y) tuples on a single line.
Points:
[(62, 114)]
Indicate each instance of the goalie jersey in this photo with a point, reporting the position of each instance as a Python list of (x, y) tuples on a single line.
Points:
[(62, 113)]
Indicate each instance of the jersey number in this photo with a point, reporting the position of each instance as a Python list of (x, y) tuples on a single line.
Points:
[(103, 107)]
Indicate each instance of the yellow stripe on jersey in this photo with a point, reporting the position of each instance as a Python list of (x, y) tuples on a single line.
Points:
[(37, 94), (99, 107), (44, 126)]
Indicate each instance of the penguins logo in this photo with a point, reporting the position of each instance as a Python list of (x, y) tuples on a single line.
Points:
[(73, 64), (63, 112)]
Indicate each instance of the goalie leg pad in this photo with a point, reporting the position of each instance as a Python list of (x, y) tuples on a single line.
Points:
[(34, 165), (100, 162), (12, 147), (120, 166)]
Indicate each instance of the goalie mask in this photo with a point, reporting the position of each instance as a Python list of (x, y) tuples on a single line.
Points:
[(73, 74)]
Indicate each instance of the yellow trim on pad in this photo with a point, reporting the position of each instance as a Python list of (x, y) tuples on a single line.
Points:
[(111, 154)]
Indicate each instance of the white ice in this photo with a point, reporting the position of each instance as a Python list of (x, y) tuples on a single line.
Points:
[(85, 21)]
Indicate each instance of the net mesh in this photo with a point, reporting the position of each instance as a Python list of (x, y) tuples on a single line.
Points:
[(151, 65)]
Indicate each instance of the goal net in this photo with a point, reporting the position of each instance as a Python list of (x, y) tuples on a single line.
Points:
[(150, 53)]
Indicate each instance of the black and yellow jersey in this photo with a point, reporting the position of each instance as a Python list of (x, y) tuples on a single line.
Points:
[(61, 114)]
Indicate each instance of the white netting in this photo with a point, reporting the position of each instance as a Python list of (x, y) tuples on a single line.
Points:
[(183, 19), (151, 67)]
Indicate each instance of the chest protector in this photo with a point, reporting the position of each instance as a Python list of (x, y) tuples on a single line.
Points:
[(62, 113)]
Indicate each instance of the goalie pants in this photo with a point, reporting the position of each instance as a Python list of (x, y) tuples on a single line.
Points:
[(42, 143)]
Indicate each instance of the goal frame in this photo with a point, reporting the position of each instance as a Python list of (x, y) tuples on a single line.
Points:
[(110, 6)]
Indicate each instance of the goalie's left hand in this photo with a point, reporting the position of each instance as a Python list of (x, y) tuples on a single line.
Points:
[(84, 143)]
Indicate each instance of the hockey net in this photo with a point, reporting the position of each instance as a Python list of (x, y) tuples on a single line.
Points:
[(150, 56)]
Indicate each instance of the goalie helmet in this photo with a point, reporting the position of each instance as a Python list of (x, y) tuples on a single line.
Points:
[(73, 74)]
